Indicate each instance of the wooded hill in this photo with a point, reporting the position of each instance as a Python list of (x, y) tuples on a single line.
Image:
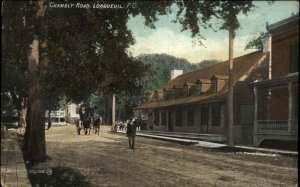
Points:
[(160, 66)]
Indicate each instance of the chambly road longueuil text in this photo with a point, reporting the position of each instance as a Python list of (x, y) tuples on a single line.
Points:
[(88, 5)]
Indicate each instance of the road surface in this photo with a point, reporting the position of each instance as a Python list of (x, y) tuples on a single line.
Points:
[(106, 160)]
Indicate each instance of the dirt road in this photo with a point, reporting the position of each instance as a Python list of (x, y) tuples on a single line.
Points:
[(106, 160)]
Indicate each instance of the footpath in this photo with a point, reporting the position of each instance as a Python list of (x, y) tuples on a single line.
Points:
[(13, 169), (213, 145)]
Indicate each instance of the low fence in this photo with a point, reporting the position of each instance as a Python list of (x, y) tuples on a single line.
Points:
[(277, 127)]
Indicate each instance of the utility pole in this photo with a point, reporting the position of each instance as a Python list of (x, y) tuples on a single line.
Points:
[(230, 138), (113, 112)]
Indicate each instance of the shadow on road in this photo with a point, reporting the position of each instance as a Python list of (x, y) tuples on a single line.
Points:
[(58, 176)]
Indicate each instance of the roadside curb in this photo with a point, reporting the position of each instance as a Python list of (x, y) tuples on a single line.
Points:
[(219, 146)]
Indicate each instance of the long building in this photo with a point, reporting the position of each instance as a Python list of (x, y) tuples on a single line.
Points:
[(197, 101)]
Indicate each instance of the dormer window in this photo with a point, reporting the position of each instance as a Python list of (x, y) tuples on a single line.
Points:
[(213, 85), (157, 95), (166, 93), (202, 86), (188, 88), (218, 82), (177, 91)]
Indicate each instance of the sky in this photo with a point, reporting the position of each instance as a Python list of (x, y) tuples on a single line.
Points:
[(167, 37)]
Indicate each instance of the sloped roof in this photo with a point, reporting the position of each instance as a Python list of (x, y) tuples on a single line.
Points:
[(222, 77), (184, 101), (205, 81), (189, 84), (241, 66), (284, 25)]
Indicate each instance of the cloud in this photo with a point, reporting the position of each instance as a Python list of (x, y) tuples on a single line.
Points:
[(164, 40)]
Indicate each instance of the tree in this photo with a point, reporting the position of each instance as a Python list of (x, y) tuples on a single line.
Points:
[(34, 138), (256, 42), (65, 59), (13, 74)]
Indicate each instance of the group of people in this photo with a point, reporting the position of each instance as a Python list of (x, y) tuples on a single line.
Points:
[(87, 122)]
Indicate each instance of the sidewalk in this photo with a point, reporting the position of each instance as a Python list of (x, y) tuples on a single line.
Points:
[(213, 145), (13, 170)]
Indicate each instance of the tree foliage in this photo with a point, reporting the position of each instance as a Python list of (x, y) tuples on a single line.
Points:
[(256, 42), (13, 58), (160, 66)]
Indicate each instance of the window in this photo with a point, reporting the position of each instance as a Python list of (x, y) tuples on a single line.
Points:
[(190, 115), (216, 115), (294, 58), (156, 117), (77, 110), (204, 115), (163, 118), (178, 117), (246, 114), (54, 120)]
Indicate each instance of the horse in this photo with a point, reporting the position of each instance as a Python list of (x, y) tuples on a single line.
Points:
[(86, 118), (79, 126)]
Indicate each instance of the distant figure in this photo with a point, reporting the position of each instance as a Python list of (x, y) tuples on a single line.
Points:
[(122, 126), (131, 132), (139, 123), (151, 121), (97, 124)]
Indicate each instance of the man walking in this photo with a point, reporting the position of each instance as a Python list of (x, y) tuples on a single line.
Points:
[(131, 132)]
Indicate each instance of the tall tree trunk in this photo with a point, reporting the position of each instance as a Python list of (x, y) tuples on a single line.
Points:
[(23, 113), (230, 136), (34, 139)]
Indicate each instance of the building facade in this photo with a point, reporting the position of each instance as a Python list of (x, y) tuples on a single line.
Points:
[(197, 101), (276, 99)]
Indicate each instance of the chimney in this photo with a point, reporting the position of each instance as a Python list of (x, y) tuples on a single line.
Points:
[(266, 44), (175, 73)]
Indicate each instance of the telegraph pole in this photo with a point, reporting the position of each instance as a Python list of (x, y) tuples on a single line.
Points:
[(230, 138), (113, 112)]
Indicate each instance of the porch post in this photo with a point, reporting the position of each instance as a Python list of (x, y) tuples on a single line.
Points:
[(255, 115), (290, 107)]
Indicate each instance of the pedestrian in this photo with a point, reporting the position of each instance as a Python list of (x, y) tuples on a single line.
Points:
[(151, 121), (131, 132), (97, 124)]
